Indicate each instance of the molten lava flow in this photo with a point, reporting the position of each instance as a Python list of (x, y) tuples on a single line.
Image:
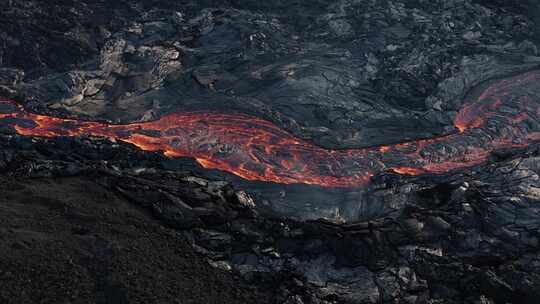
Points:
[(407, 170), (503, 116)]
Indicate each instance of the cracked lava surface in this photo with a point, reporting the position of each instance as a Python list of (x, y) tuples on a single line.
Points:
[(505, 115)]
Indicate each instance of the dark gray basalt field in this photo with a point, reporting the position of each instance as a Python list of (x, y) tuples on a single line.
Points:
[(88, 219)]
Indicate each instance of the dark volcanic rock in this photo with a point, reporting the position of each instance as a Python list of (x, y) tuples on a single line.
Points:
[(343, 74), (70, 239), (455, 238), (92, 220)]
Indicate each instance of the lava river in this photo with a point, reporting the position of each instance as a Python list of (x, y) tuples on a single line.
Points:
[(505, 115)]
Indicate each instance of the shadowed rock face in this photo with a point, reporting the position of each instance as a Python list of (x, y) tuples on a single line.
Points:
[(435, 102)]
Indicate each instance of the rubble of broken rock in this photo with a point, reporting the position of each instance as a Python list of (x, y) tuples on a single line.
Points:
[(467, 237), (340, 74)]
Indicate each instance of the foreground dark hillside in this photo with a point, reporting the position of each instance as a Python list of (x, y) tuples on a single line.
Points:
[(69, 240)]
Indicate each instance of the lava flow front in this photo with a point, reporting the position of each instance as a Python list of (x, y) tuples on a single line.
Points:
[(503, 116)]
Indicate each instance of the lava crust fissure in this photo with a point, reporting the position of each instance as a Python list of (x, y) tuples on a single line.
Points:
[(504, 115)]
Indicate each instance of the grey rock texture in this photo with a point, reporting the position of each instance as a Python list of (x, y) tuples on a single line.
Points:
[(342, 74), (348, 73)]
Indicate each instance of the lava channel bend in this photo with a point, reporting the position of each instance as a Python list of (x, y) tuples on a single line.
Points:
[(505, 115)]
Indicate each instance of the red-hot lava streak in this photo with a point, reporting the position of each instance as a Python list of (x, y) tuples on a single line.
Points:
[(505, 115)]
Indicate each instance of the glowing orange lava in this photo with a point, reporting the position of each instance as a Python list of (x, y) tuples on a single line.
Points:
[(503, 116)]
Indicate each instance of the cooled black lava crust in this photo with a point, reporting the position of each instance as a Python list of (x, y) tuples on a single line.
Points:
[(94, 220)]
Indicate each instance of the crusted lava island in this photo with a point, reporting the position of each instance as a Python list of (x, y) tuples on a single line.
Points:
[(315, 152)]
